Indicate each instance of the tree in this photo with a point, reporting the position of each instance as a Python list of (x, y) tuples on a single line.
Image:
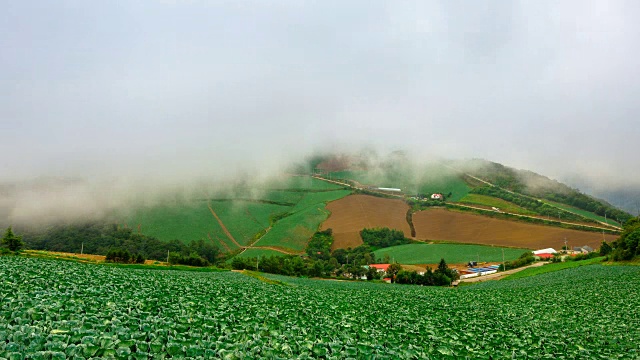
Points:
[(12, 241), (392, 270), (605, 248)]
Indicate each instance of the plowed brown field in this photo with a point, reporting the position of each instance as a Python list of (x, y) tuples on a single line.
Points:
[(440, 224), (353, 213)]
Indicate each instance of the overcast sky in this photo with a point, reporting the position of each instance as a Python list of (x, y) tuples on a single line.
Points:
[(93, 89)]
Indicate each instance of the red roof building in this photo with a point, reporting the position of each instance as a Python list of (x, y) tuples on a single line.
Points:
[(380, 267)]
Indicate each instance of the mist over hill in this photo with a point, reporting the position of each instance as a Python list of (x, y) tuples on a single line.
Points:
[(51, 200)]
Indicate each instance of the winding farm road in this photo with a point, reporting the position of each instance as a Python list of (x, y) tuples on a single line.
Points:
[(501, 274)]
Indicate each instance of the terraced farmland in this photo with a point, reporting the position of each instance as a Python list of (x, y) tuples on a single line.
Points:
[(56, 310), (440, 224)]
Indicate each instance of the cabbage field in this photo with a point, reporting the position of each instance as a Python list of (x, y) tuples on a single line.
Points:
[(56, 309)]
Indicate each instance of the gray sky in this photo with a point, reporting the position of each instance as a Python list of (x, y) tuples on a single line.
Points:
[(174, 89)]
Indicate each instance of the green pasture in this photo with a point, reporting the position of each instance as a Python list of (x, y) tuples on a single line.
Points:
[(452, 253), (294, 231)]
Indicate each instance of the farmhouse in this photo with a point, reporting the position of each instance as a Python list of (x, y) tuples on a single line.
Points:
[(437, 197), (381, 268), (583, 249)]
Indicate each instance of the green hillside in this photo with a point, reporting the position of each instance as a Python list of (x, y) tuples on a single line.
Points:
[(587, 214), (294, 206), (531, 184), (425, 179), (185, 221), (452, 253), (294, 231)]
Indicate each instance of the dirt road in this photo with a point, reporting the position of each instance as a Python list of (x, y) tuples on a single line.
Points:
[(501, 274)]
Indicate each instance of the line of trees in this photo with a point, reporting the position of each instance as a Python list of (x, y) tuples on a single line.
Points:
[(528, 203), (524, 259), (443, 275), (379, 238), (99, 238), (123, 256)]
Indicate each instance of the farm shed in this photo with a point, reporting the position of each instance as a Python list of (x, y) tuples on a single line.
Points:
[(436, 196), (545, 251), (390, 189)]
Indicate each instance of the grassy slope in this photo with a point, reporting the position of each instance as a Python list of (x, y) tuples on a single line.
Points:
[(476, 199), (452, 253), (427, 180), (585, 213), (245, 219), (184, 221), (251, 253), (551, 268)]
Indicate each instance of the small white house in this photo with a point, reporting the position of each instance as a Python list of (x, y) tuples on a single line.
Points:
[(436, 197)]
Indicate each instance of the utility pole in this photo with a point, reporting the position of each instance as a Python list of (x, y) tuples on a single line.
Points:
[(257, 262), (566, 247), (82, 249)]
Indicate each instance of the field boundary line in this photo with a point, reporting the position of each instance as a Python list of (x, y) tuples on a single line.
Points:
[(224, 228), (535, 217)]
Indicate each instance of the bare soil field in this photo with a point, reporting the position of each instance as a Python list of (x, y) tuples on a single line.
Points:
[(441, 224), (353, 213)]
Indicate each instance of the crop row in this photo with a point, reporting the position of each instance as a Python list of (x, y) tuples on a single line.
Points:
[(57, 309)]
